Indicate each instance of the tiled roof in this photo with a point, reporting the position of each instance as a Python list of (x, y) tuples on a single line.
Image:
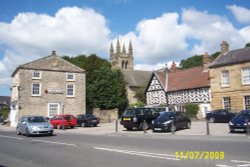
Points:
[(232, 57), (161, 75), (136, 78), (188, 79)]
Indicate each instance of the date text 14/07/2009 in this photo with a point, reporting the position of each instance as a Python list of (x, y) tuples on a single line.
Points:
[(202, 155)]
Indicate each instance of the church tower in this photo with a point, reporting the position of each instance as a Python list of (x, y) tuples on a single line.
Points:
[(121, 59)]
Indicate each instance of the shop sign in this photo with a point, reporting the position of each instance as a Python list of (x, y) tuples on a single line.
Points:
[(54, 91)]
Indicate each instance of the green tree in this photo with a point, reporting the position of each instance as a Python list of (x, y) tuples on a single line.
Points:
[(247, 45), (107, 89), (192, 109), (5, 112), (140, 93), (193, 61)]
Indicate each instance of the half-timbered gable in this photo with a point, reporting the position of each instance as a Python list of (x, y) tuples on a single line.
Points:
[(155, 93)]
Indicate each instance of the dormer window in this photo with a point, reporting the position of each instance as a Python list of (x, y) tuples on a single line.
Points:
[(36, 75), (70, 77)]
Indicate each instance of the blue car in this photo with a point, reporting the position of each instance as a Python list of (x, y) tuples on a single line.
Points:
[(240, 121)]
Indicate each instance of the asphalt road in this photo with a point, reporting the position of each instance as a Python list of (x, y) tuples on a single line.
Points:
[(121, 150)]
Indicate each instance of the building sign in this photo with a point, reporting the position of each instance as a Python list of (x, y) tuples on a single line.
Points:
[(54, 91)]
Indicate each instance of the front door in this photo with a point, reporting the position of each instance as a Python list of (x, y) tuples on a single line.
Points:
[(53, 109)]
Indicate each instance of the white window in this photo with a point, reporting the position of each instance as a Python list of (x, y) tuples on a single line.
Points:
[(247, 102), (70, 90), (36, 89), (53, 109), (70, 77), (225, 80), (227, 103), (36, 75), (245, 73)]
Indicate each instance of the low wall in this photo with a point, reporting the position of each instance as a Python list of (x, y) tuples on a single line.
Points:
[(106, 115)]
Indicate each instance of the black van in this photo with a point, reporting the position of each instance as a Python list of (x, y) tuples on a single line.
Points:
[(139, 118)]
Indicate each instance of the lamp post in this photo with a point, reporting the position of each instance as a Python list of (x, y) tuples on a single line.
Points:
[(63, 125)]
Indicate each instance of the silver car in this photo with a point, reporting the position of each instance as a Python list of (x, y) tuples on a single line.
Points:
[(34, 125)]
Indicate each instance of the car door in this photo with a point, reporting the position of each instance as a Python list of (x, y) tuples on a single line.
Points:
[(23, 124)]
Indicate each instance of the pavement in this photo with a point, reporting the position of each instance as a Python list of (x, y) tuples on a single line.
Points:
[(198, 128)]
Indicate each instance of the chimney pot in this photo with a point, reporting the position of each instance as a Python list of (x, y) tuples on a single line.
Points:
[(53, 52)]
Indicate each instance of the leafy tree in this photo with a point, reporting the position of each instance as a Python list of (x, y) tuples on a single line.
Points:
[(193, 61), (107, 89), (5, 112), (247, 45), (192, 109), (137, 104), (140, 93), (215, 55)]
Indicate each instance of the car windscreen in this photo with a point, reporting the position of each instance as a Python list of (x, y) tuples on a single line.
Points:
[(166, 115), (90, 116), (132, 112), (36, 119), (243, 114), (68, 117)]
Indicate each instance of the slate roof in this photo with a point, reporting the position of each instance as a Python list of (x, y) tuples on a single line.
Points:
[(50, 63), (5, 100), (136, 78), (232, 57)]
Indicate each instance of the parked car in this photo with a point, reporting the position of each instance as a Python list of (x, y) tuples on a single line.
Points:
[(240, 121), (60, 121), (220, 115), (171, 121), (34, 125), (87, 120), (139, 118)]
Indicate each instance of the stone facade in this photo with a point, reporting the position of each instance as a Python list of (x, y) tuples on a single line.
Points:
[(121, 59), (61, 89), (236, 91)]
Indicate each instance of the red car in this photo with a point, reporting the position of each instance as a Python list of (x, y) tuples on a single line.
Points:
[(67, 120)]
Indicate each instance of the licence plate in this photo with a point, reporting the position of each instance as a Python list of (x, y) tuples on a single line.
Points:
[(126, 119), (239, 130), (157, 128)]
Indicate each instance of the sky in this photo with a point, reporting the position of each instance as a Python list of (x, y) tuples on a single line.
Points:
[(161, 31)]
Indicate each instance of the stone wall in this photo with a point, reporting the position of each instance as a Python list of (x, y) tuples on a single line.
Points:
[(106, 115)]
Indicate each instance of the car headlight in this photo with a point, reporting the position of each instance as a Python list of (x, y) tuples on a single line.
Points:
[(230, 123), (167, 122), (153, 122), (34, 128)]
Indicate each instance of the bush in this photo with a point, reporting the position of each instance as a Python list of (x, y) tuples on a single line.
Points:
[(5, 112), (137, 104), (192, 110)]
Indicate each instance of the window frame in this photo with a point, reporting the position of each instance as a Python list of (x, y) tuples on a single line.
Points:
[(227, 104), (69, 79), (32, 89), (225, 80), (244, 75), (247, 106), (58, 110), (67, 95), (36, 72)]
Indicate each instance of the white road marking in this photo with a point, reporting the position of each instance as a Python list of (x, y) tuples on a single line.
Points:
[(219, 165), (245, 165), (146, 154), (238, 161), (10, 137), (52, 142)]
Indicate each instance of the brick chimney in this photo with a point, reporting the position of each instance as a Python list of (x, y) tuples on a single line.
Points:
[(173, 67), (53, 53), (206, 60), (224, 47)]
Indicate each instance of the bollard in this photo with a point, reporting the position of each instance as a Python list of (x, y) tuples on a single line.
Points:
[(207, 123), (144, 126), (172, 130), (116, 126), (247, 121)]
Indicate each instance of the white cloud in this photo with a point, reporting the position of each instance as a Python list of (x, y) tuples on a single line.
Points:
[(70, 31), (245, 32), (242, 14), (154, 67), (210, 30)]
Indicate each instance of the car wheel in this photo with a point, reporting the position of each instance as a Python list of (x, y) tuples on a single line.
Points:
[(143, 126), (129, 128), (72, 127), (17, 131), (83, 125), (173, 128), (211, 120), (27, 132), (95, 125), (51, 134), (58, 126), (188, 126)]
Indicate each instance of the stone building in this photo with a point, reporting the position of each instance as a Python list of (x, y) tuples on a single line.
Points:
[(124, 61), (121, 59), (230, 79), (47, 87)]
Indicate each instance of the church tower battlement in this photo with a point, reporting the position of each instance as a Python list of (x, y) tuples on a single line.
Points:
[(121, 59)]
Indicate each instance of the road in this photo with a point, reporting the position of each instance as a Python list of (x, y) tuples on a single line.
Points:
[(120, 150)]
